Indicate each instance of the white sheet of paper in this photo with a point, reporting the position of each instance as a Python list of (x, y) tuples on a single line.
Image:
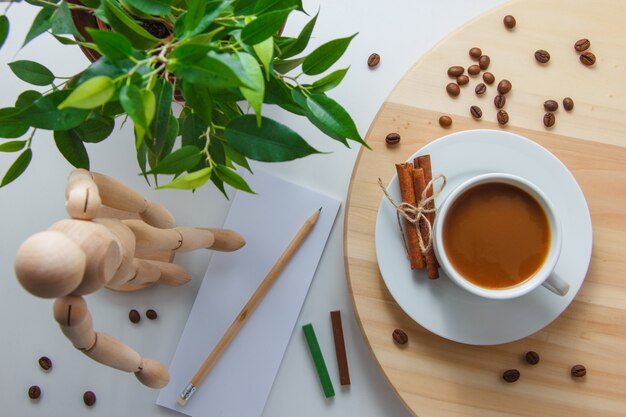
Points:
[(240, 382)]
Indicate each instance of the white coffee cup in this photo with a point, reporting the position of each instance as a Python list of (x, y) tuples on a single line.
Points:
[(543, 276)]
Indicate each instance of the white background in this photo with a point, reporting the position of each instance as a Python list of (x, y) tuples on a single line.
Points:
[(400, 31)]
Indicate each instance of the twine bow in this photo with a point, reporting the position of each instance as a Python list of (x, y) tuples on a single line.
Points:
[(415, 215)]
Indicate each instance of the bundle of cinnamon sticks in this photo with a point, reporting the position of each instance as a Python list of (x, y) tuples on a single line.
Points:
[(413, 179)]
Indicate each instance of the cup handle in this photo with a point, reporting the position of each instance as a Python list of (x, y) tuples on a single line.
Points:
[(556, 285)]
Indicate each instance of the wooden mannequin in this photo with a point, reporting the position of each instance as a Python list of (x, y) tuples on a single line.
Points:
[(127, 252)]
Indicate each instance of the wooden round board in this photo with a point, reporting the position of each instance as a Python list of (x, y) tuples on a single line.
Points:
[(437, 377)]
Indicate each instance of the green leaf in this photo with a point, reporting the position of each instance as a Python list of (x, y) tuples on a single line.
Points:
[(244, 7), (195, 11), (92, 93), (132, 102), (18, 167), (255, 94), (325, 55), (192, 130), (10, 126), (264, 26), (272, 142), (301, 41), (332, 116), (283, 66), (45, 114), (42, 22), (181, 160), (69, 41), (163, 92), (265, 51), (111, 44), (114, 15), (264, 6), (13, 146), (277, 92), (190, 181), (213, 9), (199, 99), (236, 157), (213, 70), (4, 29), (32, 72), (152, 7), (72, 148), (62, 22), (231, 178), (328, 82), (95, 129), (27, 98)]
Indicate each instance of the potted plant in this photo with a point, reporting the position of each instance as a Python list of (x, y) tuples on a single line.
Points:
[(224, 60)]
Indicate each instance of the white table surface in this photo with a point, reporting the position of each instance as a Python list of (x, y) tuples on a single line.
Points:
[(400, 31)]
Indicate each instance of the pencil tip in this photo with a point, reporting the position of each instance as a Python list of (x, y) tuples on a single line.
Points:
[(320, 209)]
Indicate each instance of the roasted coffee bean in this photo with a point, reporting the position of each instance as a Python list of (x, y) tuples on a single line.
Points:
[(568, 103), (89, 398), (34, 392), (152, 315), (476, 112), (475, 52), (549, 119), (453, 89), (503, 117), (542, 56), (532, 357), (45, 363), (550, 105), (445, 121), (578, 371), (510, 375), (582, 45), (484, 61), (391, 139), (504, 86), (462, 79), (455, 71), (134, 316), (488, 78), (373, 60), (587, 58), (509, 21), (473, 69), (499, 101), (480, 89), (400, 337)]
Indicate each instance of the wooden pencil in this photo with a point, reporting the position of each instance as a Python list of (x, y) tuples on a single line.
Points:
[(247, 309)]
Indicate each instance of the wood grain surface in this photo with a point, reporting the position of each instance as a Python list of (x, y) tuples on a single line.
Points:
[(437, 377)]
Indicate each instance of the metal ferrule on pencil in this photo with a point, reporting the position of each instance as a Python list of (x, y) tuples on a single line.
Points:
[(187, 393)]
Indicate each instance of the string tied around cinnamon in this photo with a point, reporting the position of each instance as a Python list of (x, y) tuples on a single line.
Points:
[(416, 214)]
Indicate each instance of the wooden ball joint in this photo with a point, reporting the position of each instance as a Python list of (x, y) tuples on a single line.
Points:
[(114, 239)]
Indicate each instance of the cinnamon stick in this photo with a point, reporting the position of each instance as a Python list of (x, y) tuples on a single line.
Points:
[(419, 183), (424, 163), (405, 179)]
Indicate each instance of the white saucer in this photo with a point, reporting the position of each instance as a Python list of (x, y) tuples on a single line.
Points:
[(450, 311)]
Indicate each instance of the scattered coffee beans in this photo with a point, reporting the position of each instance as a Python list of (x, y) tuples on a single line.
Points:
[(475, 52), (550, 105), (587, 58), (34, 392), (499, 101), (542, 56), (473, 69), (400, 337), (483, 62), (152, 315), (373, 60), (45, 363), (445, 121), (455, 71), (476, 112), (568, 103), (504, 86), (503, 117), (509, 21), (578, 371), (488, 78), (582, 45), (453, 89), (480, 89), (510, 375), (462, 79), (392, 139), (532, 357), (134, 316), (549, 119), (89, 398)]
